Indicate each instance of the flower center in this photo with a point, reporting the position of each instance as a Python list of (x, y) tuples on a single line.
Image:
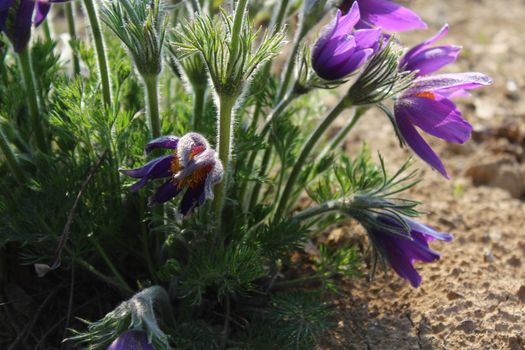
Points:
[(427, 94)]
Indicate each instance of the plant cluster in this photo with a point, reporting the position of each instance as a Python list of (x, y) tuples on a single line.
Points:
[(167, 173)]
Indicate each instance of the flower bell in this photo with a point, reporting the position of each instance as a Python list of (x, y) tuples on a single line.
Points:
[(401, 247), (193, 166), (427, 103), (340, 51), (17, 17)]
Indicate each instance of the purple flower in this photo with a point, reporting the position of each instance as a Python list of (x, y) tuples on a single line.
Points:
[(386, 14), (17, 17), (341, 50), (428, 105), (425, 59), (401, 249), (193, 166), (131, 340)]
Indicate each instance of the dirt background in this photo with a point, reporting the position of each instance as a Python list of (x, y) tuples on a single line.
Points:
[(474, 298)]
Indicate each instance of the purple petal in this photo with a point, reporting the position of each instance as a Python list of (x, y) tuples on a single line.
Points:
[(164, 193), (42, 9), (194, 197), (439, 118), (389, 15), (132, 340), (429, 233), (20, 34), (417, 143), (164, 142), (367, 38), (5, 4), (422, 46), (356, 61), (346, 23), (155, 169), (448, 82), (431, 60)]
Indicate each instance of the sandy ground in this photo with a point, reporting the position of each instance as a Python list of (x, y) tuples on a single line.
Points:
[(474, 298)]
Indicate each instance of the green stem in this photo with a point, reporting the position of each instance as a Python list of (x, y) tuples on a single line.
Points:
[(225, 143), (339, 138), (303, 156), (47, 30), (145, 240), (32, 98), (199, 104), (323, 209), (112, 267), (70, 15), (10, 158), (99, 49), (151, 87)]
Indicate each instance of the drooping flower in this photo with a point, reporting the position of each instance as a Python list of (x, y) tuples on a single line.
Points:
[(427, 103), (424, 59), (341, 50), (386, 14), (193, 167), (17, 17), (402, 248), (132, 340)]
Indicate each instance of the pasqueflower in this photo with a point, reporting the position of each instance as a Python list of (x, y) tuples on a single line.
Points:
[(131, 340), (17, 17), (402, 248), (192, 167), (427, 103), (385, 14), (341, 50)]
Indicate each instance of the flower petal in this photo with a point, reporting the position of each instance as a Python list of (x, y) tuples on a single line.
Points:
[(431, 60), (417, 143), (390, 16), (164, 193), (163, 142), (449, 81), (422, 46), (194, 197), (21, 31), (439, 118), (367, 38), (42, 9), (429, 233)]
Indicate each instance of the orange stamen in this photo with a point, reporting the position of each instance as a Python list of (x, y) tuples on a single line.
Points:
[(427, 94)]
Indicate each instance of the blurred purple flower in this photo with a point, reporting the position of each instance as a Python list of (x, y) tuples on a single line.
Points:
[(193, 166), (341, 50), (401, 249), (17, 17), (131, 340), (386, 14), (427, 103)]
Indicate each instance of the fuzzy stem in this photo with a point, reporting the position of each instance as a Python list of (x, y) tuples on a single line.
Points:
[(72, 34), (324, 208), (99, 48), (47, 30), (199, 104), (224, 143), (112, 267), (32, 98), (305, 152), (151, 93), (11, 159)]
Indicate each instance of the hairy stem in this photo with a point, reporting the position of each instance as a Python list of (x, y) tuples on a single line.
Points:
[(99, 49), (305, 153), (224, 143), (70, 15), (32, 98), (199, 106), (151, 92), (111, 266), (236, 30), (290, 66)]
